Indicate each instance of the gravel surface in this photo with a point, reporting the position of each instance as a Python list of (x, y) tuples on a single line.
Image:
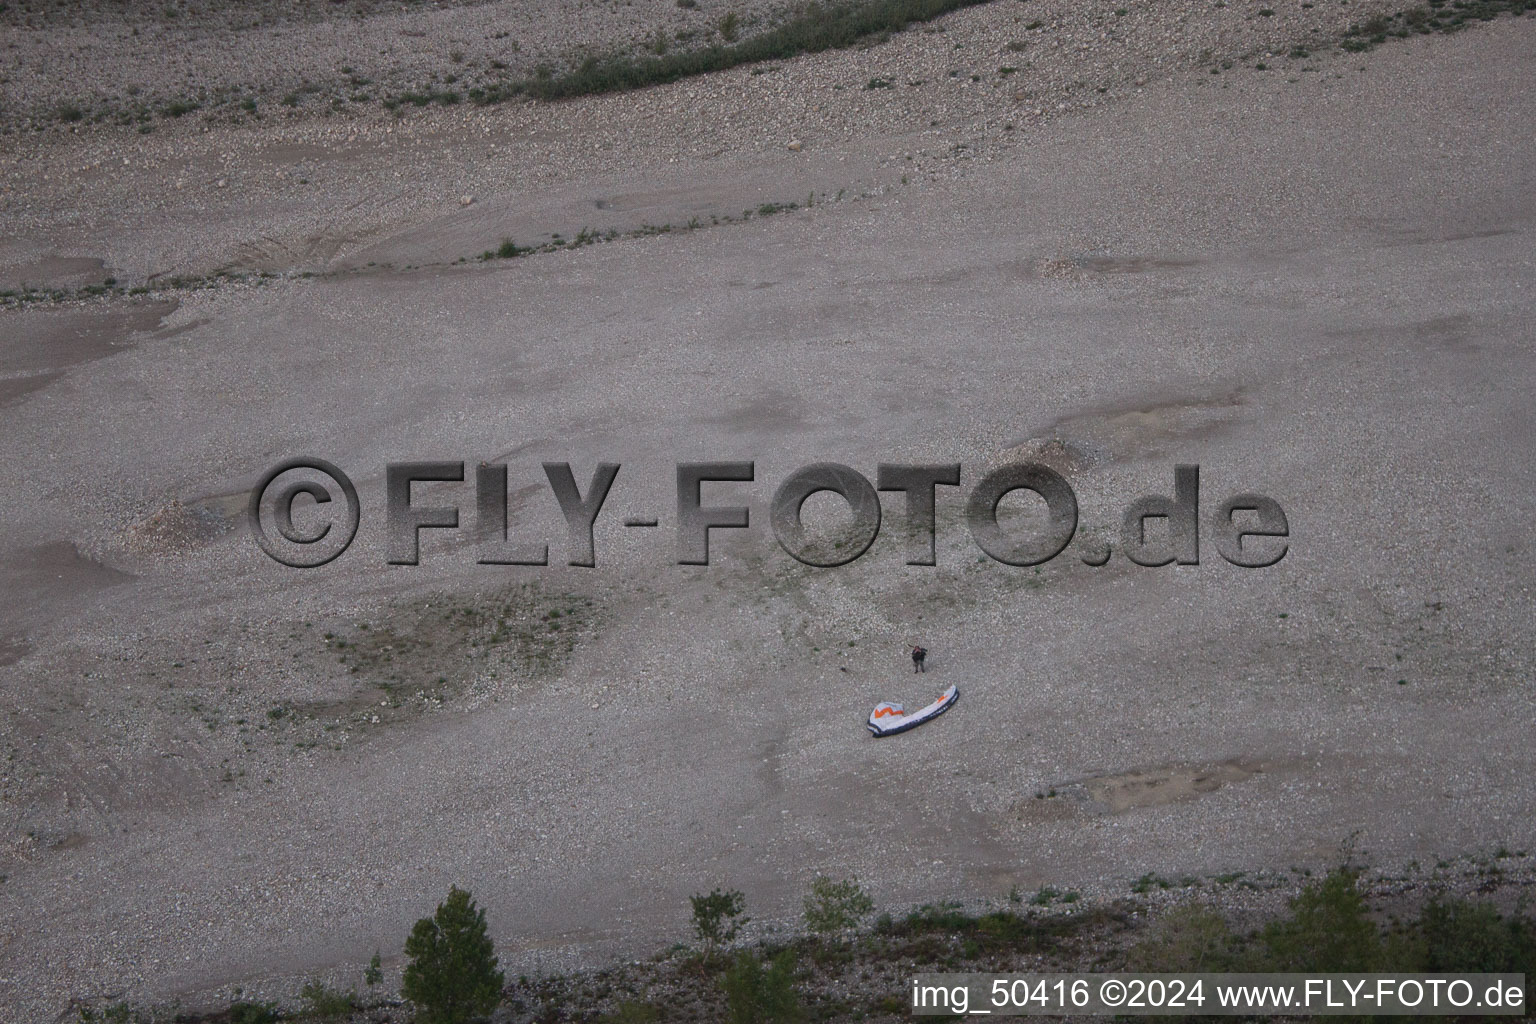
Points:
[(305, 58), (218, 772), (343, 60), (925, 106)]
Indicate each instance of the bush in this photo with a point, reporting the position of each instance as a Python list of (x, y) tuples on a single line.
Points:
[(836, 906), (717, 917), (757, 996), (1456, 935), (1188, 939), (992, 934), (507, 250), (1328, 929), (252, 1013), (452, 977), (320, 1001)]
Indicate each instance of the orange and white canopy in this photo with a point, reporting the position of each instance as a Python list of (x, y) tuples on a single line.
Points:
[(889, 718)]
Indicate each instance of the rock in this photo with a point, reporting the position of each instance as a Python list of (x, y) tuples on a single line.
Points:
[(795, 146), (466, 200)]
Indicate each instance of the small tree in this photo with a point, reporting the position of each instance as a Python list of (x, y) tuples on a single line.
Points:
[(452, 977), (757, 996), (836, 906), (1329, 929), (717, 918), (374, 972)]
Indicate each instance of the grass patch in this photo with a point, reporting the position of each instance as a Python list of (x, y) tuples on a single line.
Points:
[(926, 931)]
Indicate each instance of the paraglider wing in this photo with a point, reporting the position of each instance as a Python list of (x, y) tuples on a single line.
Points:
[(890, 718)]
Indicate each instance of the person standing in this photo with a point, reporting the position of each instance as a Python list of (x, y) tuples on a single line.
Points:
[(919, 655)]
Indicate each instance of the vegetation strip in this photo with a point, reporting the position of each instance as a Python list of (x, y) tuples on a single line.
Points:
[(27, 295), (843, 966), (823, 26), (819, 27)]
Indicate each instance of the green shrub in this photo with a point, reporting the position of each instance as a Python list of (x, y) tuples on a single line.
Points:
[(836, 906), (717, 917), (1456, 935), (252, 1013), (320, 1001), (933, 917), (1328, 929), (995, 933), (452, 977), (754, 995), (1190, 938)]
